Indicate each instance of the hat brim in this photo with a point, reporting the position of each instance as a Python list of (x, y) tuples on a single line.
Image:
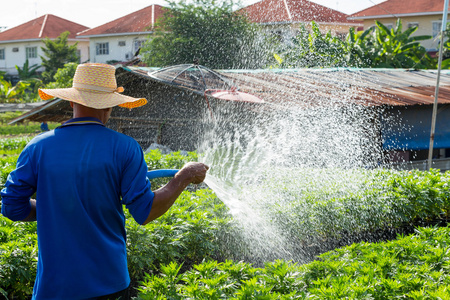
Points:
[(91, 98)]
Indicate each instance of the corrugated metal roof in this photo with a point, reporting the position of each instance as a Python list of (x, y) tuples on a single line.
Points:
[(304, 88), (371, 87)]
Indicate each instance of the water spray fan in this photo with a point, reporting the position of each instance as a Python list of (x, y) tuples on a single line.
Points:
[(161, 173)]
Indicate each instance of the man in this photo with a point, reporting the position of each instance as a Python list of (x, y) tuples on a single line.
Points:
[(83, 173)]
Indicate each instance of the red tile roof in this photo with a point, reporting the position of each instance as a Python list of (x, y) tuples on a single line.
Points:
[(278, 11), (400, 7), (46, 26), (139, 21)]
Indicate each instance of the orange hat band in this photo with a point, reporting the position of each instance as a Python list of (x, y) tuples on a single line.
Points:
[(97, 88)]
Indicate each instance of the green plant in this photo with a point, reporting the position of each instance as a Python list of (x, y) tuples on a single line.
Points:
[(377, 47), (187, 234), (18, 258), (56, 54), (10, 93), (411, 267), (63, 77), (27, 71)]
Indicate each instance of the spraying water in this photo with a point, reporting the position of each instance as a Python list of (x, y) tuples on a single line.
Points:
[(264, 157)]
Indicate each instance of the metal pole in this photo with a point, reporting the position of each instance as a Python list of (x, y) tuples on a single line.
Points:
[(436, 94)]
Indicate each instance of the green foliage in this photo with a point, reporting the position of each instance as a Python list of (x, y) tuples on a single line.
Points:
[(63, 77), (175, 160), (188, 233), (27, 71), (13, 145), (412, 267), (182, 254), (376, 200), (12, 94), (398, 49), (376, 47), (18, 258), (207, 30), (30, 128), (57, 54), (312, 49), (7, 116)]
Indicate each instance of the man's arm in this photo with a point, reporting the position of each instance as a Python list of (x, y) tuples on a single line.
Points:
[(165, 197)]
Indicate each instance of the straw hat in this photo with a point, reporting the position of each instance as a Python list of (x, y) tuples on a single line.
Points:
[(94, 85)]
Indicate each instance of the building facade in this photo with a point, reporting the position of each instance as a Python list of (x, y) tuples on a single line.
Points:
[(25, 42), (121, 39)]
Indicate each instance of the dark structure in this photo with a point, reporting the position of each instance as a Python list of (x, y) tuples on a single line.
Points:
[(176, 114)]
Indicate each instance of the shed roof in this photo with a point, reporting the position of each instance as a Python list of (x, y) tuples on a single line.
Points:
[(301, 88), (139, 21), (371, 87), (46, 26), (280, 11)]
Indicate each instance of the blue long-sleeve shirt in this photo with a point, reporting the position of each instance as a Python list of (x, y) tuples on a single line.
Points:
[(82, 173)]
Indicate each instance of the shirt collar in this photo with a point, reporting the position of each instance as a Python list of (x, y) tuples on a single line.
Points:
[(82, 121)]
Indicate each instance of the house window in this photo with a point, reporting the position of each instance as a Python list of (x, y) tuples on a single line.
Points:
[(137, 44), (436, 28), (413, 24), (15, 49), (2, 54), (102, 48), (31, 52), (389, 26), (122, 43)]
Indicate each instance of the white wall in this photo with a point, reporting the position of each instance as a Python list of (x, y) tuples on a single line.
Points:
[(18, 58), (121, 48)]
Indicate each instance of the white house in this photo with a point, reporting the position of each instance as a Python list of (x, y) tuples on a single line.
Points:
[(119, 40), (25, 41)]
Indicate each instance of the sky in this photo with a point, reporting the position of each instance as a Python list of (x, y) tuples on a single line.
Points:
[(93, 13)]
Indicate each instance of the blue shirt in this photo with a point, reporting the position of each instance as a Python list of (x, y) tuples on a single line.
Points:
[(82, 173)]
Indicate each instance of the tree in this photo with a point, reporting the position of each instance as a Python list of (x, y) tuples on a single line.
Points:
[(206, 30), (57, 53), (63, 77)]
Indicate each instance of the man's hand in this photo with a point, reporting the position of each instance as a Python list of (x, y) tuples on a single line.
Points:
[(193, 172)]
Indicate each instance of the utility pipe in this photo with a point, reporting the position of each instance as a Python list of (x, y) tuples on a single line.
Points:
[(436, 94)]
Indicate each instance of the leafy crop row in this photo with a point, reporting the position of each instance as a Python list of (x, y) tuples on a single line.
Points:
[(365, 203), (184, 254), (412, 267)]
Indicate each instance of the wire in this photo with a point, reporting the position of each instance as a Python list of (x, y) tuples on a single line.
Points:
[(388, 12)]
